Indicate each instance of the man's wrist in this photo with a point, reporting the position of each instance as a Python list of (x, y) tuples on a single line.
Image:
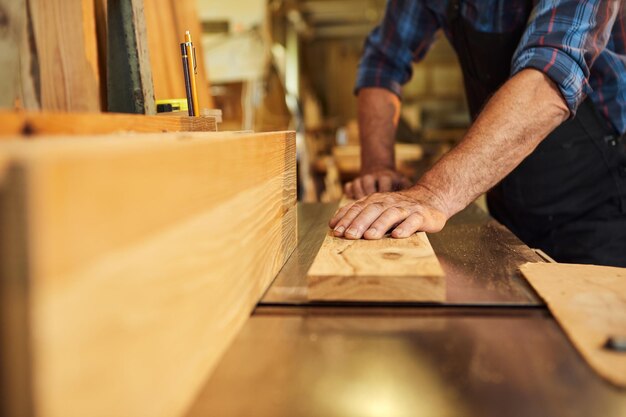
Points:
[(428, 195)]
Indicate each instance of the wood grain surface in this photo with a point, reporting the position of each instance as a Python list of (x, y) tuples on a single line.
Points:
[(49, 123), (14, 23), (132, 262), (376, 270), (589, 302), (65, 54)]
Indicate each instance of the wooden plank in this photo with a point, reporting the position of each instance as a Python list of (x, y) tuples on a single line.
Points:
[(145, 256), (376, 270), (13, 15), (164, 42), (64, 36), (589, 302), (129, 75), (44, 123), (166, 22), (19, 71)]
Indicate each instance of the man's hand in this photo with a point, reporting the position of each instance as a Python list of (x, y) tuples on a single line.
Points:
[(407, 212), (381, 181), (516, 119)]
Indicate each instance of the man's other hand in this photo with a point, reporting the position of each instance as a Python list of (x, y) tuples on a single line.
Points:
[(406, 212), (382, 181)]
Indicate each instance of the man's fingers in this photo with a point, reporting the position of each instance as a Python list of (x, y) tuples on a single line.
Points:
[(412, 224), (339, 214), (385, 184), (347, 190), (369, 184), (386, 221), (346, 220), (357, 189), (363, 221)]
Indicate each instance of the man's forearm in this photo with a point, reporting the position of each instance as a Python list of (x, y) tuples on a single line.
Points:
[(379, 111), (516, 119)]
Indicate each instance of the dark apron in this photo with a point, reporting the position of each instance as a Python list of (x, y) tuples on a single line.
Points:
[(568, 198)]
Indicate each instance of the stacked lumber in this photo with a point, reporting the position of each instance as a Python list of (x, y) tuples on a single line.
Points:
[(50, 55), (128, 265), (93, 55)]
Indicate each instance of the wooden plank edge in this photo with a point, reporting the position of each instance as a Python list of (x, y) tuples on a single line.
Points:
[(427, 289), (45, 123)]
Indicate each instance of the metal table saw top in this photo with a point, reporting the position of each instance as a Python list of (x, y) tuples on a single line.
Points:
[(491, 350)]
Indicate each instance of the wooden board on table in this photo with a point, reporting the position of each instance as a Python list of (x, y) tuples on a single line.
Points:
[(376, 270), (48, 123), (589, 302), (132, 262)]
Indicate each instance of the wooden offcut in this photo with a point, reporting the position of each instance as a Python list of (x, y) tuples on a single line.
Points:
[(376, 270), (589, 302), (49, 123), (131, 263)]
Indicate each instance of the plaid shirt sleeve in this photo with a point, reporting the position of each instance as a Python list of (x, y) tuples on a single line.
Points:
[(563, 38), (404, 36)]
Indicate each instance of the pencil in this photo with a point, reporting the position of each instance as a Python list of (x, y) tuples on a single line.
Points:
[(187, 74), (191, 53)]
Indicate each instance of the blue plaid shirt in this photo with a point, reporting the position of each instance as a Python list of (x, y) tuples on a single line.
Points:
[(579, 44)]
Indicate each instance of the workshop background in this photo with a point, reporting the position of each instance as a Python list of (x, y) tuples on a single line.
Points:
[(293, 64), (165, 248)]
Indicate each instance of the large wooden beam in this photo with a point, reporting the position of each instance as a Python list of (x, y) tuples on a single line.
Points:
[(134, 261), (46, 123)]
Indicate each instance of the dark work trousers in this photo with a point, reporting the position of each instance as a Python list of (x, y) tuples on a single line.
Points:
[(568, 198)]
